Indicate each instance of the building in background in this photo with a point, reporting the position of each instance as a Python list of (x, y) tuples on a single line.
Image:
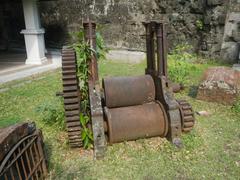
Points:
[(211, 27), (20, 28)]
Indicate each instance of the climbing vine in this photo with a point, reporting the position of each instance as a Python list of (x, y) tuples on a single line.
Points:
[(83, 53)]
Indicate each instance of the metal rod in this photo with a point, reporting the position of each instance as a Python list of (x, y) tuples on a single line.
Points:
[(35, 168), (160, 59), (37, 156), (161, 49), (164, 50), (148, 48), (5, 176), (90, 37), (11, 173), (152, 47), (23, 166), (33, 159), (41, 153), (17, 165), (28, 162)]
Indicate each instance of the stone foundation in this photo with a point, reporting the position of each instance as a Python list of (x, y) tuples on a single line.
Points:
[(220, 84)]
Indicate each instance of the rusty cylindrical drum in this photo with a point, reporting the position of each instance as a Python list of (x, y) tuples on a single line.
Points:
[(134, 122), (128, 91)]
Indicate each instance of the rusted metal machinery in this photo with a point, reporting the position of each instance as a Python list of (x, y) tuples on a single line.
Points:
[(21, 153), (139, 106), (94, 92), (180, 113), (71, 95)]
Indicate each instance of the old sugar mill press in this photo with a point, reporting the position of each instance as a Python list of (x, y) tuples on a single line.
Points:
[(126, 108)]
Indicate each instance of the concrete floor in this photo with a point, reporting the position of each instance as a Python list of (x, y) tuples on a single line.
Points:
[(12, 65), (12, 61)]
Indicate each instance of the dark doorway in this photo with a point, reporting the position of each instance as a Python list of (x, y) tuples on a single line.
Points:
[(11, 24)]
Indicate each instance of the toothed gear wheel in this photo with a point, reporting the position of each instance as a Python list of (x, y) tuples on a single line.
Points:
[(187, 113), (71, 95)]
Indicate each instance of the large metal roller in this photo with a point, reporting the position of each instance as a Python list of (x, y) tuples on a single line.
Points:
[(128, 91), (134, 122)]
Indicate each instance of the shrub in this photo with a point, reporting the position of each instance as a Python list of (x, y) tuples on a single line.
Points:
[(236, 106), (180, 64), (179, 71), (52, 113)]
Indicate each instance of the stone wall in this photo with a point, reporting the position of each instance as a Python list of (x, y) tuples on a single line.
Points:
[(199, 23), (231, 39)]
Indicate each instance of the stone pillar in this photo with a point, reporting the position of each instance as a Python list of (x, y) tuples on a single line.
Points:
[(230, 46), (33, 34)]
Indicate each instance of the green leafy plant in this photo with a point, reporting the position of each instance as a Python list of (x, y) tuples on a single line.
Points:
[(52, 113), (180, 63), (83, 53), (199, 24), (101, 47), (179, 71), (183, 52), (87, 136), (236, 106)]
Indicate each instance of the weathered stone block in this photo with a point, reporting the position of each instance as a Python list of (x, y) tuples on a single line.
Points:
[(220, 84), (236, 67), (214, 2), (236, 35), (216, 48), (221, 19), (197, 7), (230, 52)]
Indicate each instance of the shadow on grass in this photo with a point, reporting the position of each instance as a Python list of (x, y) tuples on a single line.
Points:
[(193, 90), (48, 152)]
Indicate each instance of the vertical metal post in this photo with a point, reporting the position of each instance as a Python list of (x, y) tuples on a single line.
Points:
[(152, 45), (42, 154), (90, 38), (161, 49), (163, 93), (164, 42), (95, 94), (150, 48)]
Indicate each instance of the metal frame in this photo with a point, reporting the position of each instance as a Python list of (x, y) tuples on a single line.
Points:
[(157, 68), (94, 93), (25, 160)]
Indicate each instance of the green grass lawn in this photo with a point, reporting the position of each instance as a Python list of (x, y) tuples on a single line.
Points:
[(211, 150)]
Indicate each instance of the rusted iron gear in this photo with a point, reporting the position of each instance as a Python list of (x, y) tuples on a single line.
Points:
[(187, 114), (71, 95)]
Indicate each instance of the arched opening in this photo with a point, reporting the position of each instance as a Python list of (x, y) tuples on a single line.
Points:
[(11, 23), (12, 45)]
